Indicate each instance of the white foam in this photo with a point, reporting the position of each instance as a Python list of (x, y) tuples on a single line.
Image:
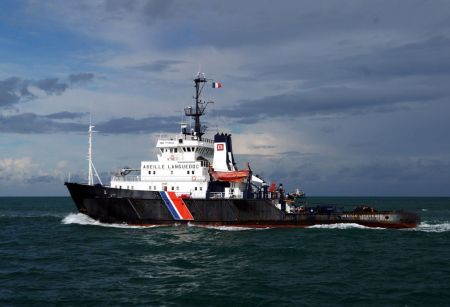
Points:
[(426, 227), (227, 228), (83, 219), (343, 226)]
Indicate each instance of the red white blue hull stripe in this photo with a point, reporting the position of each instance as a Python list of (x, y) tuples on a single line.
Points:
[(176, 206)]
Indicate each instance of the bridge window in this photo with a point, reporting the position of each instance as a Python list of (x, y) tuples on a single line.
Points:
[(188, 172), (175, 150), (171, 172), (192, 172), (196, 188), (189, 149), (149, 172), (173, 189)]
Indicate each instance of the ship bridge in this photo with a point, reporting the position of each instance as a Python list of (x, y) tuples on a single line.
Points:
[(184, 147)]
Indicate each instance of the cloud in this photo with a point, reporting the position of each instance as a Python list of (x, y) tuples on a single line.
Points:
[(51, 86), (421, 57), (126, 125), (30, 123), (148, 11), (333, 100), (158, 66), (404, 170), (81, 77), (66, 115), (15, 168), (14, 90), (24, 170), (43, 179)]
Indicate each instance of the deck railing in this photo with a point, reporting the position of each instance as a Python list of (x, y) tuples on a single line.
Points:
[(221, 195), (126, 178)]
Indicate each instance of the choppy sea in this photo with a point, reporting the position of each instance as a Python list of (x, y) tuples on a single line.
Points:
[(51, 255)]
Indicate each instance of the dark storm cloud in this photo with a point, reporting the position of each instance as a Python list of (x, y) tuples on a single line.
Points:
[(425, 58), (30, 123), (418, 176), (51, 86), (228, 24), (15, 90), (66, 115), (81, 77), (126, 125), (429, 57), (148, 10), (333, 100), (157, 66), (393, 170)]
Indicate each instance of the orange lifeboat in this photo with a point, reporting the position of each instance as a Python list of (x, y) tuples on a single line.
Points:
[(233, 176)]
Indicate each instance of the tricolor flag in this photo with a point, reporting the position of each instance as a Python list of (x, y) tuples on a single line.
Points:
[(216, 85)]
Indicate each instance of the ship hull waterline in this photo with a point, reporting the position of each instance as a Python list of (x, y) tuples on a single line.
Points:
[(147, 208)]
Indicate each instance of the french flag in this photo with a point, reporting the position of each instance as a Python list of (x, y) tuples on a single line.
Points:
[(216, 85)]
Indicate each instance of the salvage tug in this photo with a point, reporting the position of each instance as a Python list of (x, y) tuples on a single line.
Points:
[(196, 181)]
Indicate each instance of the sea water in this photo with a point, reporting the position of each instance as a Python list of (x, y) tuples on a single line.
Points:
[(52, 255)]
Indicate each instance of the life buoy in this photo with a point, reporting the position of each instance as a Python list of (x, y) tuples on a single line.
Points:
[(194, 178)]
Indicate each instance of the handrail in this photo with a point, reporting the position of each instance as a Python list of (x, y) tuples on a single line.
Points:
[(126, 178)]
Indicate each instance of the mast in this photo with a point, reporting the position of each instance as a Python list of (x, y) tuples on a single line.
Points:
[(91, 167), (89, 157), (200, 106), (199, 83)]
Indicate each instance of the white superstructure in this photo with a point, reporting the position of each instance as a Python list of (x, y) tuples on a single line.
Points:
[(182, 167)]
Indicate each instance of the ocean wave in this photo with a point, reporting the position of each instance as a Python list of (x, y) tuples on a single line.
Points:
[(83, 219), (343, 226), (427, 227)]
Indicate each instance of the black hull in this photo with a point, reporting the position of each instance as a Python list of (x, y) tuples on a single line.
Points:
[(109, 205)]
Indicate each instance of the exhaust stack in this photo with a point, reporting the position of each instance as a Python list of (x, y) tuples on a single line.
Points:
[(223, 153)]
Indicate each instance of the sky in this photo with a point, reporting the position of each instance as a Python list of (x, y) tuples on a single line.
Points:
[(339, 98)]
